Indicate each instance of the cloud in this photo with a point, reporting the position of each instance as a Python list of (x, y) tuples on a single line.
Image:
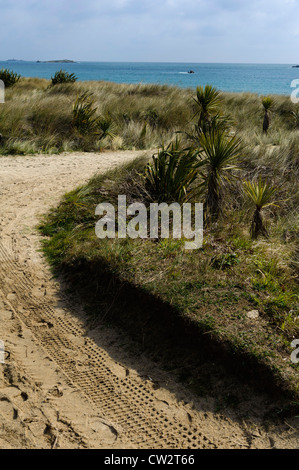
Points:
[(167, 30)]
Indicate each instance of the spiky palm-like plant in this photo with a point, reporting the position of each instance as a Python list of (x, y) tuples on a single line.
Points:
[(219, 153), (105, 127), (170, 175), (267, 103), (208, 100), (261, 194)]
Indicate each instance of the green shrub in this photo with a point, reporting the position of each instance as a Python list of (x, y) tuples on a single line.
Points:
[(226, 260), (171, 174), (9, 77), (63, 77)]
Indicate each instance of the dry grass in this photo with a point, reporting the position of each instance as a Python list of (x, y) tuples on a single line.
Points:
[(38, 118)]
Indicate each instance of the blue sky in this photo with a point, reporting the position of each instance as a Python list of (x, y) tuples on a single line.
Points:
[(254, 31)]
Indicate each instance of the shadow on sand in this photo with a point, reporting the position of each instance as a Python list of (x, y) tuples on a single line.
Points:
[(144, 334)]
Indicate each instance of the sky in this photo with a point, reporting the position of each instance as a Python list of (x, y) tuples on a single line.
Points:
[(235, 31)]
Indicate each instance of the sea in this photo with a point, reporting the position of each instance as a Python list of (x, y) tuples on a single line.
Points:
[(262, 79)]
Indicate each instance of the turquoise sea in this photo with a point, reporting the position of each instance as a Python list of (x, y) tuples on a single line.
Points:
[(256, 78)]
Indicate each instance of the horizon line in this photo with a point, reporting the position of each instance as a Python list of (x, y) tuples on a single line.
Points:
[(147, 62)]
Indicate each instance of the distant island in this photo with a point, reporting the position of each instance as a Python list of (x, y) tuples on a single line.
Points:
[(15, 60), (63, 61)]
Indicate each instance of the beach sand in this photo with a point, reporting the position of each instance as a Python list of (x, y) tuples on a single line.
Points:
[(66, 384)]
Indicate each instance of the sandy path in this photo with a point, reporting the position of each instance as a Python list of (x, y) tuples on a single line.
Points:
[(64, 385)]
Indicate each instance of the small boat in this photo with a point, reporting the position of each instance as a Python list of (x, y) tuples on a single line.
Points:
[(295, 66), (191, 71)]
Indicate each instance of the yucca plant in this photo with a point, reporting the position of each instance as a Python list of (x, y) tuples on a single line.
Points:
[(216, 123), (208, 100), (105, 127), (268, 104), (219, 153), (61, 76), (9, 77), (171, 174), (261, 194)]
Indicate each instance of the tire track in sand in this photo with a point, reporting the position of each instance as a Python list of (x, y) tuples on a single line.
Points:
[(130, 405), (127, 402)]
